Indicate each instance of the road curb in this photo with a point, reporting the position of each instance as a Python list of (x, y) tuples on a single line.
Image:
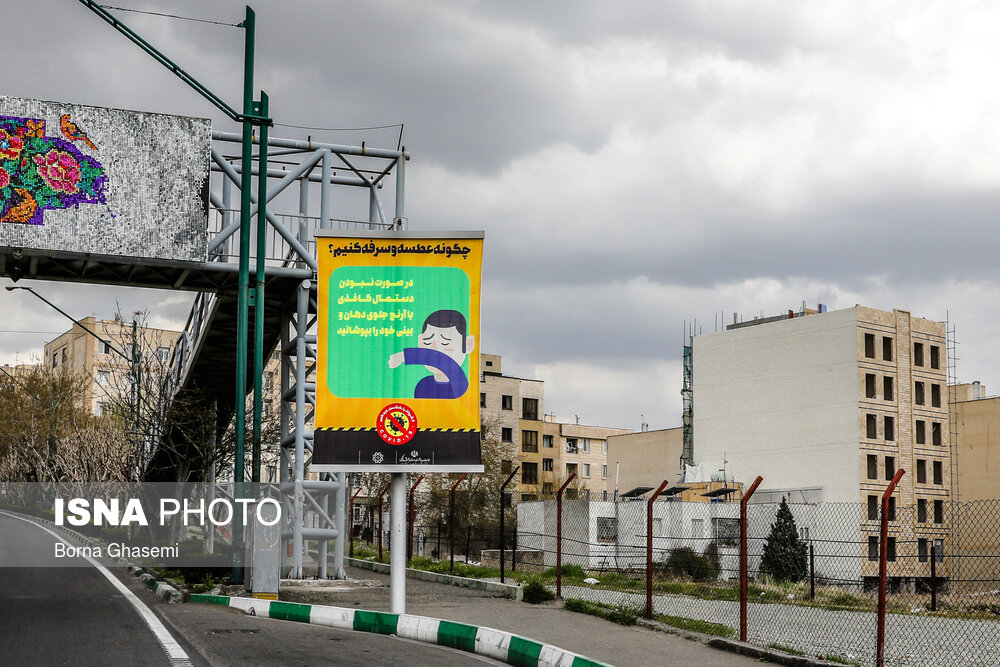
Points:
[(508, 590), (497, 644)]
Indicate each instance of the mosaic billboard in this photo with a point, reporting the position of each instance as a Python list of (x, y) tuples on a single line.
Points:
[(398, 356), (103, 181)]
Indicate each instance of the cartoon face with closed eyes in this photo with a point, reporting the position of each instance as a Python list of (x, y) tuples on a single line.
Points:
[(442, 348)]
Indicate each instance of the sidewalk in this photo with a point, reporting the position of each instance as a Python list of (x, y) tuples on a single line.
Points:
[(587, 635)]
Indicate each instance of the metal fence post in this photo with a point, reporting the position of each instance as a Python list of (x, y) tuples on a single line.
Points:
[(503, 490), (559, 495), (882, 559), (350, 520), (744, 569), (451, 546), (812, 572), (409, 533), (380, 496), (933, 577), (649, 549)]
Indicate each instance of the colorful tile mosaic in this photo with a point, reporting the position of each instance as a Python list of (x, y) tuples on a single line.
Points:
[(39, 172)]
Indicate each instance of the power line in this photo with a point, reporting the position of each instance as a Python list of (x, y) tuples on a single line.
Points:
[(169, 16)]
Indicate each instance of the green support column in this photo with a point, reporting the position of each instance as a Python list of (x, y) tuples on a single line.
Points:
[(243, 303), (258, 336)]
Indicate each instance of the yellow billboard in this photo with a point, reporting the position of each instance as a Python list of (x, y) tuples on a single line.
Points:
[(398, 352)]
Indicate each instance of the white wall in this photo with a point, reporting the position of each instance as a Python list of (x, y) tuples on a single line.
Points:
[(780, 400)]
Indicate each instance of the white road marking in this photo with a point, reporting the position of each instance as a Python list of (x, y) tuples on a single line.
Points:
[(175, 653)]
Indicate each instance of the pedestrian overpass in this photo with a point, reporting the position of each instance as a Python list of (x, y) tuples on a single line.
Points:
[(302, 176)]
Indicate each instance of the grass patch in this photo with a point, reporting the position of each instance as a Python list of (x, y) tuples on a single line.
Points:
[(840, 661), (461, 569), (619, 614), (786, 649), (704, 627), (535, 592)]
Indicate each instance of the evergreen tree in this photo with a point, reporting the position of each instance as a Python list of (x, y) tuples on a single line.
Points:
[(784, 556)]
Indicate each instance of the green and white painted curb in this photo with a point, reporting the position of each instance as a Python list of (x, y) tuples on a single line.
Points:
[(496, 644)]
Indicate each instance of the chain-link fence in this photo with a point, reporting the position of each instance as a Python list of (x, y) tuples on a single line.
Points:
[(812, 583)]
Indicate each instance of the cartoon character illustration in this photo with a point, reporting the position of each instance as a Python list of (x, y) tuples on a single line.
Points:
[(442, 347)]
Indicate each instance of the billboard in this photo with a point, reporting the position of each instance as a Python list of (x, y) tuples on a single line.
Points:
[(398, 357), (103, 181)]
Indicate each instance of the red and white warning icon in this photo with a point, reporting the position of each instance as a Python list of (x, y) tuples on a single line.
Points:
[(397, 424)]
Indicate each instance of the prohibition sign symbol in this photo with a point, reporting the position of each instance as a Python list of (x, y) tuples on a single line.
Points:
[(397, 424)]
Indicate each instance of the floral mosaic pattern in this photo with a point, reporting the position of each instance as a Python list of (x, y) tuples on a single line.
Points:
[(39, 173)]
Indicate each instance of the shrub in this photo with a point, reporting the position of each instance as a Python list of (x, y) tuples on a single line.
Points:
[(684, 562), (535, 591)]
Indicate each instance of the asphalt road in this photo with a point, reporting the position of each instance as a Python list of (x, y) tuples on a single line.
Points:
[(51, 615)]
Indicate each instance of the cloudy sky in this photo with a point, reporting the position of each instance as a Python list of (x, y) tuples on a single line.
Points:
[(635, 166)]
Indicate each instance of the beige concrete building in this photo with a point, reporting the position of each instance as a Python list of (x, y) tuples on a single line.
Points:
[(513, 407), (575, 448), (826, 407), (79, 351)]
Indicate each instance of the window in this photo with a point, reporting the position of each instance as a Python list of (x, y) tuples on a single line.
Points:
[(918, 354), (547, 441), (507, 434), (482, 400), (870, 345), (921, 510), (922, 550), (887, 394), (604, 447), (529, 441), (890, 549), (55, 359), (871, 427), (529, 473), (571, 446), (548, 489), (921, 432), (872, 548), (103, 378), (936, 433), (489, 364), (873, 508), (570, 469), (936, 395), (890, 428), (869, 385), (804, 533), (529, 408), (607, 529), (938, 551), (506, 402), (892, 508), (64, 355), (886, 348), (547, 465), (935, 357), (890, 467), (938, 473), (921, 471), (586, 470), (938, 511), (918, 393), (872, 466), (163, 354), (604, 471), (585, 446), (726, 531)]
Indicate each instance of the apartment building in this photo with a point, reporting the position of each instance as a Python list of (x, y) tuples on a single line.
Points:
[(569, 448), (512, 408), (79, 351), (826, 406)]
